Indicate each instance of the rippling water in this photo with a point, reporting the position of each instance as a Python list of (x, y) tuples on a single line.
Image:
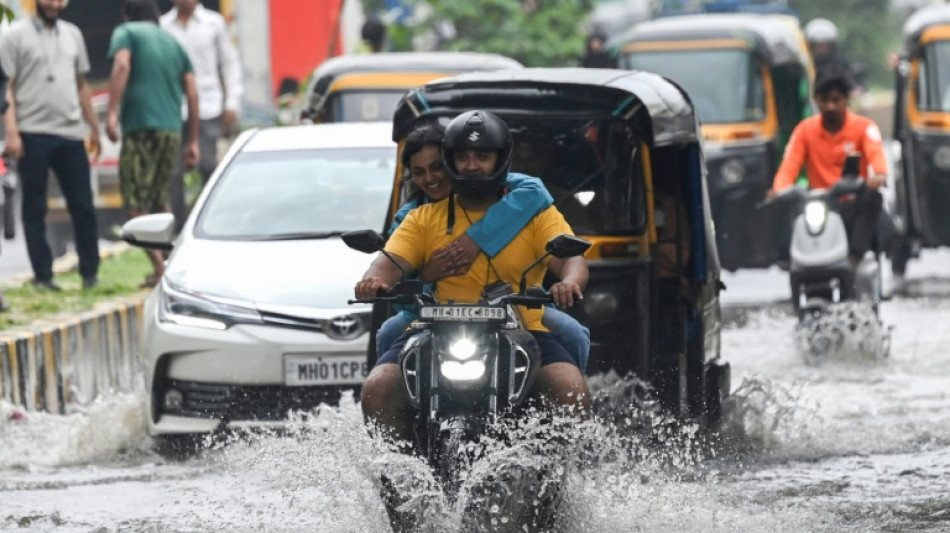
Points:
[(851, 444)]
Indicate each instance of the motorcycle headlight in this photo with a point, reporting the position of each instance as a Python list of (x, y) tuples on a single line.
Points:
[(459, 371), (732, 170), (815, 215), (942, 158), (197, 310), (462, 349)]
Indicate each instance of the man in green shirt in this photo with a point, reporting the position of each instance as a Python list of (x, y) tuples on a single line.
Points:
[(150, 70)]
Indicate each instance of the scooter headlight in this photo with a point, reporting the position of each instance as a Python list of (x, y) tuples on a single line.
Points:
[(816, 213), (462, 349), (462, 371)]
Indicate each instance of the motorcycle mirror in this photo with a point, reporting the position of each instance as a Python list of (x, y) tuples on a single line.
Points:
[(852, 166), (564, 246), (561, 246), (368, 242), (364, 240)]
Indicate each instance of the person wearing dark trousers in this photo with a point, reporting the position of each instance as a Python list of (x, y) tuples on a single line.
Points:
[(49, 117)]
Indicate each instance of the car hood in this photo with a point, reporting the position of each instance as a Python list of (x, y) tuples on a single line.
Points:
[(307, 273)]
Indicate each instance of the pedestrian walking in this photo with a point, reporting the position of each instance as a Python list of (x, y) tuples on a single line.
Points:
[(204, 34), (50, 115), (150, 72)]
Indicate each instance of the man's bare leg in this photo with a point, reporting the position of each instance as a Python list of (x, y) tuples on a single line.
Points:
[(563, 384), (385, 403)]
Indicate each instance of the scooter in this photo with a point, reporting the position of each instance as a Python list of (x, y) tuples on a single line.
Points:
[(834, 302), (470, 366)]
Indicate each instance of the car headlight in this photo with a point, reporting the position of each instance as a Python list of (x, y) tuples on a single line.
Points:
[(732, 170), (459, 371), (193, 309), (815, 215), (942, 158)]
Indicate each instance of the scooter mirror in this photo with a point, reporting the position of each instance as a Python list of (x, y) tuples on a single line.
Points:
[(852, 166), (364, 240), (564, 246)]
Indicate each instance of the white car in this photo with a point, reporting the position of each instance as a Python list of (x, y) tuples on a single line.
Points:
[(250, 320)]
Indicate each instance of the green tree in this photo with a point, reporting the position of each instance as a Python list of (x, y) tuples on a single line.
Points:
[(535, 32), (869, 32)]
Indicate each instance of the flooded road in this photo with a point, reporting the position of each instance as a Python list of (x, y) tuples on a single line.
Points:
[(850, 445)]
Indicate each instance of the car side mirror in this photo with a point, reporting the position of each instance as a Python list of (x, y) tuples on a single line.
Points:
[(155, 231), (364, 240), (564, 246)]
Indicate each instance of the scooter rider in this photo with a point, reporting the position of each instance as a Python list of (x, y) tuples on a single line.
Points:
[(822, 143), (477, 155)]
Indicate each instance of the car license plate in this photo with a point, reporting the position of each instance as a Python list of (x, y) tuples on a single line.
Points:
[(308, 370), (463, 313)]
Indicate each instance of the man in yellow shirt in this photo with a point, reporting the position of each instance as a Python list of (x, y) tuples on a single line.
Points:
[(476, 154)]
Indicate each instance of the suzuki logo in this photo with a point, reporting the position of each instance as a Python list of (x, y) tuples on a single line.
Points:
[(473, 137), (344, 327)]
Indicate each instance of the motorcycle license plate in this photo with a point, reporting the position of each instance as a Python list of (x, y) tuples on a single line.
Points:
[(463, 314), (308, 370)]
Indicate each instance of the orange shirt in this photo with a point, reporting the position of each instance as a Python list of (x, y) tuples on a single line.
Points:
[(824, 153)]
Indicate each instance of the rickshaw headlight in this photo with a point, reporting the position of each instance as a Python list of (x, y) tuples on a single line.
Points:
[(600, 305), (942, 158), (732, 170), (815, 215)]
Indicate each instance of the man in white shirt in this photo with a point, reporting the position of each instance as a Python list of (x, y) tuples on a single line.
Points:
[(204, 35)]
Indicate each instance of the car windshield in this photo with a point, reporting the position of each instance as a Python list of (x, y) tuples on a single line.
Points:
[(725, 85), (934, 75), (299, 194), (363, 106)]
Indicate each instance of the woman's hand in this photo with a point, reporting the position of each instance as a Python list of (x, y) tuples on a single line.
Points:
[(446, 262)]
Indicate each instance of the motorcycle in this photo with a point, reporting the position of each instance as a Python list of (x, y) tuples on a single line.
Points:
[(834, 302), (470, 366)]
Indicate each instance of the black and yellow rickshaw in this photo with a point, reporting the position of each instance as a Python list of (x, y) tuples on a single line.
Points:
[(749, 77), (922, 127), (367, 87), (621, 154)]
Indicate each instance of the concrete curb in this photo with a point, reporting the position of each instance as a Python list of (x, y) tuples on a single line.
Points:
[(70, 360)]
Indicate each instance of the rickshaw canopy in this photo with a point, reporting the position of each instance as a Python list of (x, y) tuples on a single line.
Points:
[(561, 91), (920, 21), (776, 38), (448, 62)]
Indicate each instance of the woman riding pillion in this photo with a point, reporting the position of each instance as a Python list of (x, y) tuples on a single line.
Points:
[(524, 197), (477, 155)]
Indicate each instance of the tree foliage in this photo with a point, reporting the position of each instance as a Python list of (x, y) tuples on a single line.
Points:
[(535, 32), (869, 32)]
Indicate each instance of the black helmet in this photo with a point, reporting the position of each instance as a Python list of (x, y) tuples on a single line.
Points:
[(477, 130)]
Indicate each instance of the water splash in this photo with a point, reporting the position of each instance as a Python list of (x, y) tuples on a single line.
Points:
[(848, 332)]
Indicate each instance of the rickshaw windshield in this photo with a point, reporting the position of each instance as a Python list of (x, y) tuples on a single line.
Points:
[(934, 78), (592, 168), (725, 85), (363, 106)]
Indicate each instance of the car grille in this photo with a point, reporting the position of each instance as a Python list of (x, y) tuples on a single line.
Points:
[(250, 402)]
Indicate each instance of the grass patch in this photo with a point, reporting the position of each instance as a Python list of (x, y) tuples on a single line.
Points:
[(119, 275)]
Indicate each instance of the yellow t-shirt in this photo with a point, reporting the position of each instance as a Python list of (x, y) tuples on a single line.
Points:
[(423, 232)]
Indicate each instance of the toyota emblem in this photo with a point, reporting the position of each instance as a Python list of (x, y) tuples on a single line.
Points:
[(344, 327)]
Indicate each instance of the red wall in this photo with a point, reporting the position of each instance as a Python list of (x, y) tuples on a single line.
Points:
[(302, 34)]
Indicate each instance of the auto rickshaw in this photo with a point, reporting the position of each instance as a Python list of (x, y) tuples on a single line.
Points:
[(922, 129), (620, 152), (368, 87), (749, 77)]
